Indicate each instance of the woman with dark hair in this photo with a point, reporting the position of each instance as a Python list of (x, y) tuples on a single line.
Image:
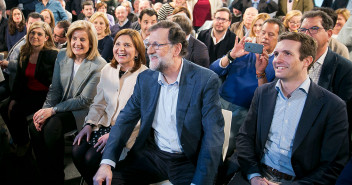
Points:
[(33, 77), (74, 82), (16, 28), (114, 89), (48, 17)]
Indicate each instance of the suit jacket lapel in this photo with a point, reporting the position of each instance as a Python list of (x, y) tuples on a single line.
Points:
[(66, 67), (187, 84), (327, 70), (310, 112)]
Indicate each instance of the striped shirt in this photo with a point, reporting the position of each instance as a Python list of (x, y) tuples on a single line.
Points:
[(165, 11)]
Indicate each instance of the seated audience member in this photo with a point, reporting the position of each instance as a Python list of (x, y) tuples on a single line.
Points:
[(87, 10), (144, 4), (3, 29), (180, 10), (135, 6), (189, 130), (243, 72), (157, 6), (102, 7), (147, 18), (262, 6), (59, 34), (335, 45), (116, 86), (287, 5), (330, 70), (105, 41), (74, 82), (54, 6), (257, 26), (122, 20), (197, 51), (202, 11), (69, 14), (292, 20), (33, 78), (11, 62), (48, 17), (345, 176), (168, 8), (295, 131), (219, 39), (342, 16), (243, 28), (236, 11), (16, 28), (345, 36), (132, 17)]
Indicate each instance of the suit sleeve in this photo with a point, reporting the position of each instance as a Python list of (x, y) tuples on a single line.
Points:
[(209, 156), (124, 125), (246, 139)]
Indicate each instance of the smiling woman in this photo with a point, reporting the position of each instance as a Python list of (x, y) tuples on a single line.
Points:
[(105, 41), (76, 75)]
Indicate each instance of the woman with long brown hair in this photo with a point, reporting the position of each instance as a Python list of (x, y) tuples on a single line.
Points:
[(16, 27)]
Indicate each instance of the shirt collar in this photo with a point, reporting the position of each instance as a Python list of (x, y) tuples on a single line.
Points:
[(161, 78), (214, 39), (303, 87), (123, 24), (322, 58)]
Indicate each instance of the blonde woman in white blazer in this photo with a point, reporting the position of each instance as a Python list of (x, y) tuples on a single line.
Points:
[(113, 91)]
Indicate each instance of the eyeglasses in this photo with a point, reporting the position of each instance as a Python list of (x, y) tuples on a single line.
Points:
[(58, 36), (219, 19), (312, 30), (155, 45)]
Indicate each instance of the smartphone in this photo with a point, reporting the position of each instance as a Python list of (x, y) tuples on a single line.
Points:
[(253, 47), (1, 56)]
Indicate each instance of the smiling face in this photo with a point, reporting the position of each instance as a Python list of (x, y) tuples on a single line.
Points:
[(46, 16), (340, 22), (100, 26), (269, 36), (124, 51), (294, 23), (121, 14), (80, 43), (287, 65), (17, 16), (37, 37), (146, 22)]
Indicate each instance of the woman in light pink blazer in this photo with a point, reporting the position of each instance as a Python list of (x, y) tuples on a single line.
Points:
[(113, 91)]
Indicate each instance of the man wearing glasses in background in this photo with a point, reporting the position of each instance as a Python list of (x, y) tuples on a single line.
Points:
[(330, 70), (219, 39), (59, 34)]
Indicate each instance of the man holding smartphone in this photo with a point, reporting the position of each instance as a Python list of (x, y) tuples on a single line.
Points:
[(243, 72)]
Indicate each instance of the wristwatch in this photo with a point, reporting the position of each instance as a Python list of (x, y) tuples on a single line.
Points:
[(229, 57)]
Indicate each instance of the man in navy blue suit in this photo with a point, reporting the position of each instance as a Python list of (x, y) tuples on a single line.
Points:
[(182, 128)]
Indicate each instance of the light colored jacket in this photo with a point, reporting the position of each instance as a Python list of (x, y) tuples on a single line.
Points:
[(112, 95), (75, 94)]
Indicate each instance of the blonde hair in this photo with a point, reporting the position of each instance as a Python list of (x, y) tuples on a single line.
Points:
[(52, 19), (344, 12), (89, 28), (26, 49), (289, 15), (262, 16), (107, 30)]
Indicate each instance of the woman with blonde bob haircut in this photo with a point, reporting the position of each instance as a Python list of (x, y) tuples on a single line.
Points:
[(292, 20), (76, 75), (48, 17), (257, 26), (105, 41), (114, 89), (342, 16), (33, 78)]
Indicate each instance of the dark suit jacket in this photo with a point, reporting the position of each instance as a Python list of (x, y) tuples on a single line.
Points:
[(301, 5), (197, 52), (336, 76), (220, 49), (336, 5), (200, 124), (263, 6), (320, 146), (43, 72)]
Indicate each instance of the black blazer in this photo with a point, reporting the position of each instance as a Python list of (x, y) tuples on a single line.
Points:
[(263, 6), (197, 52), (221, 48), (336, 5), (43, 72), (320, 146)]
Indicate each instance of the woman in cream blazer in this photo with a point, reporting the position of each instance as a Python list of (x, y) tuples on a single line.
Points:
[(113, 91)]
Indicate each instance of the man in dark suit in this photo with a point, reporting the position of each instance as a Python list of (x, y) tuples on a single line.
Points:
[(197, 51), (330, 70), (334, 4), (295, 131), (181, 126), (219, 39)]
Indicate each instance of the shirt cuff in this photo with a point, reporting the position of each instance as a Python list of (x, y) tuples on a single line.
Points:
[(108, 162), (250, 176), (221, 65)]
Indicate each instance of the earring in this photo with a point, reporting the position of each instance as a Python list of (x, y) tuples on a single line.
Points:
[(135, 58)]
